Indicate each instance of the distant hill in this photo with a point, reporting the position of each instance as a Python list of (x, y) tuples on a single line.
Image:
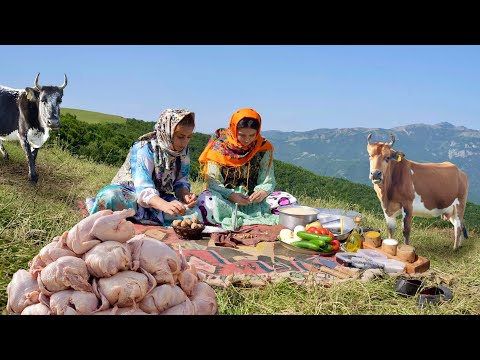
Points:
[(342, 153), (92, 117)]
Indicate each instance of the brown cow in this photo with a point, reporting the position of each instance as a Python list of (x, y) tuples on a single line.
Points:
[(415, 189)]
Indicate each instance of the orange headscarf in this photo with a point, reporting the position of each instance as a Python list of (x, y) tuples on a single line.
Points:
[(225, 149)]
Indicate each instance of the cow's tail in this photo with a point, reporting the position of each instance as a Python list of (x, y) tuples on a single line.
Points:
[(464, 229)]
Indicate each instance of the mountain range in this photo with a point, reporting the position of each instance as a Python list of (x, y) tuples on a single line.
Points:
[(342, 153)]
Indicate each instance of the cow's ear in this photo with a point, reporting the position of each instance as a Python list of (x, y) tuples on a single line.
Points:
[(397, 156), (31, 94)]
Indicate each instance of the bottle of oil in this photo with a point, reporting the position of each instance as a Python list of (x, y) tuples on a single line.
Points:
[(354, 240)]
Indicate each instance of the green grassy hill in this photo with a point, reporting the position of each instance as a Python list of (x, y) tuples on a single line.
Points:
[(83, 157), (30, 216), (93, 117)]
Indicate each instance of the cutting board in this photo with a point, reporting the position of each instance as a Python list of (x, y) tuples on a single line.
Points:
[(421, 264)]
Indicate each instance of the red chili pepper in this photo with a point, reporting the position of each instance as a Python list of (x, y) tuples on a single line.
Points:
[(335, 244)]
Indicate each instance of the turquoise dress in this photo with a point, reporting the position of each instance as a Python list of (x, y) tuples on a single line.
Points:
[(222, 182), (135, 183)]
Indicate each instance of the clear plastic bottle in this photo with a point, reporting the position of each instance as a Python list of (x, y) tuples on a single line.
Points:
[(354, 240)]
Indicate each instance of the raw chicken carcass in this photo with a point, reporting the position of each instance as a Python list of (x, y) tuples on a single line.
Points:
[(50, 252), (204, 299), (125, 288), (22, 291), (64, 273), (162, 298), (188, 279), (130, 311), (114, 227), (122, 311), (108, 258), (72, 302), (155, 257), (37, 309), (79, 237), (185, 308)]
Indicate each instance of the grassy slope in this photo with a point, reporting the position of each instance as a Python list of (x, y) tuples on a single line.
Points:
[(30, 216), (92, 117)]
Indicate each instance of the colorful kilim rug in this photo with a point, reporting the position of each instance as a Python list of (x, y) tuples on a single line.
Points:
[(253, 265)]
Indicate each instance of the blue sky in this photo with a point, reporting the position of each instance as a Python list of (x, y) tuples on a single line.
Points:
[(294, 88)]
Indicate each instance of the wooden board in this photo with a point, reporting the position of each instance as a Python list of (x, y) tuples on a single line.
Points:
[(420, 264)]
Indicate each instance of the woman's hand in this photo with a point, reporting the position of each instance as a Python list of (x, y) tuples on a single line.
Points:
[(258, 196), (174, 208), (239, 199), (190, 200)]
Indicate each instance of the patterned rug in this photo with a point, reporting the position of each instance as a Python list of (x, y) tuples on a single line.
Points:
[(251, 265), (248, 265)]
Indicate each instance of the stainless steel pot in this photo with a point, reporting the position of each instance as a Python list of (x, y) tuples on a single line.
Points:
[(292, 220)]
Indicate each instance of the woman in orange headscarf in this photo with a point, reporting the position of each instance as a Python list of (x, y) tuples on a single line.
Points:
[(237, 165)]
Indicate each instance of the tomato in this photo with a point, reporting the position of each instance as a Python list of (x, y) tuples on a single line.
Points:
[(314, 230), (323, 231), (335, 244)]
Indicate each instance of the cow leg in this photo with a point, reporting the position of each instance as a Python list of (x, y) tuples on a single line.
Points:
[(460, 213), (407, 213), (456, 219), (390, 224), (3, 151), (457, 228), (452, 217), (34, 154), (32, 174)]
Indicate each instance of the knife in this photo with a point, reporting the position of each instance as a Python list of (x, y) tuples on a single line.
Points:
[(235, 217)]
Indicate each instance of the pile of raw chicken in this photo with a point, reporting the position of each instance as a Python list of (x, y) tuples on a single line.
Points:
[(100, 267)]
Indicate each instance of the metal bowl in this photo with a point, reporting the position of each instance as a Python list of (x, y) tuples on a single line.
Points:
[(334, 224), (349, 213), (292, 220)]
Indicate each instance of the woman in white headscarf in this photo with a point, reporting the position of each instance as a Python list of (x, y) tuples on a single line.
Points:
[(153, 180)]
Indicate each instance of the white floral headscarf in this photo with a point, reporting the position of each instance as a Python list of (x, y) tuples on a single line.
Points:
[(162, 143)]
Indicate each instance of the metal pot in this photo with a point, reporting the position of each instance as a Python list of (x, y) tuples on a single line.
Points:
[(292, 220)]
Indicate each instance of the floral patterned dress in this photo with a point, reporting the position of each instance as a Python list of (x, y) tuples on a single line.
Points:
[(256, 175)]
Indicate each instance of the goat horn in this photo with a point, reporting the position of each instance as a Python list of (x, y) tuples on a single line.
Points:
[(64, 82), (38, 87)]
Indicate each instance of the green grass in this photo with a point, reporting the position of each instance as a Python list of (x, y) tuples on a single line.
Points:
[(30, 216), (92, 117)]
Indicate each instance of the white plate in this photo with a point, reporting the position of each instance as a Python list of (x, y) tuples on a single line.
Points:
[(213, 229)]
